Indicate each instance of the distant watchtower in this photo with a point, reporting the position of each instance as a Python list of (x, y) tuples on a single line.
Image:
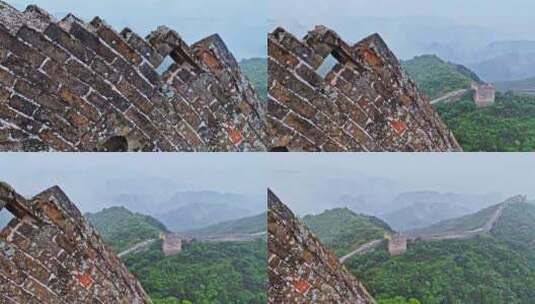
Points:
[(397, 244), (172, 244), (484, 94)]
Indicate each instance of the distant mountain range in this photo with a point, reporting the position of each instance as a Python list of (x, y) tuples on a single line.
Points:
[(416, 209), (495, 55), (246, 225), (202, 214), (436, 77), (497, 62), (524, 86), (187, 210), (495, 265)]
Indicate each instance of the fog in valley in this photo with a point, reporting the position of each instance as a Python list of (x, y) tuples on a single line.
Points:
[(184, 191), (175, 187), (479, 34)]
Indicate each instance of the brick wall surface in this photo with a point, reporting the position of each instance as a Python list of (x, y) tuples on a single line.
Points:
[(50, 254), (364, 103), (300, 268), (69, 85)]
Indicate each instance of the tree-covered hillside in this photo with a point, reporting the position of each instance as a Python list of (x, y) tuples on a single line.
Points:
[(120, 228), (256, 71), (492, 268), (463, 223), (482, 270), (343, 230), (506, 126), (204, 273), (516, 226), (225, 272), (435, 77)]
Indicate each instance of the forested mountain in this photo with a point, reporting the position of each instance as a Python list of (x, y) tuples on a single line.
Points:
[(506, 126), (418, 209), (464, 223), (421, 214), (228, 272), (343, 230), (482, 270), (436, 77), (203, 272), (121, 228)]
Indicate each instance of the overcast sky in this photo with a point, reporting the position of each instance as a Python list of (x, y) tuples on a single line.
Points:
[(241, 23), (294, 177), (408, 25), (488, 13)]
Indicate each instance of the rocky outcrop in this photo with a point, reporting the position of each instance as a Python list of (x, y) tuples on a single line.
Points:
[(49, 253), (364, 103), (74, 86), (300, 268)]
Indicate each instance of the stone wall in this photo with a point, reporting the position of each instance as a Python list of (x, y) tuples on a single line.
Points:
[(74, 86), (49, 253), (397, 245), (365, 103), (171, 244), (484, 94), (300, 268)]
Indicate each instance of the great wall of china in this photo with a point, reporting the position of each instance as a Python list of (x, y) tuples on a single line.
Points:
[(365, 103), (300, 268), (397, 244), (69, 85), (49, 253)]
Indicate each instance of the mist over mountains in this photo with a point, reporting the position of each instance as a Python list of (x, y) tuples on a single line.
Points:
[(493, 51), (182, 210)]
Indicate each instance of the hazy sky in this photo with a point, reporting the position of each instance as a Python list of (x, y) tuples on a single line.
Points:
[(407, 26), (462, 10), (488, 13), (295, 177), (241, 23)]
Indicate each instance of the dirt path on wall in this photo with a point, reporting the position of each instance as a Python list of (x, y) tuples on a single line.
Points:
[(137, 247), (234, 237), (450, 95), (216, 239), (362, 249), (487, 227)]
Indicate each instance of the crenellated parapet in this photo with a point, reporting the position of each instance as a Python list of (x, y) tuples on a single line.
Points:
[(49, 253), (365, 102), (69, 85)]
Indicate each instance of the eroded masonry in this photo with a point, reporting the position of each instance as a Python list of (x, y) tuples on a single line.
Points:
[(300, 268), (69, 85), (50, 254), (365, 102)]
